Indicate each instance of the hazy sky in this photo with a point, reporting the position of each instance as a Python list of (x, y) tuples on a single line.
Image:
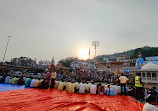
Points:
[(44, 29)]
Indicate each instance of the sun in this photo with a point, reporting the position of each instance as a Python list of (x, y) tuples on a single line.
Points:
[(84, 54)]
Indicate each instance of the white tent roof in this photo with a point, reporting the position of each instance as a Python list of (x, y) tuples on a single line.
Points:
[(150, 67)]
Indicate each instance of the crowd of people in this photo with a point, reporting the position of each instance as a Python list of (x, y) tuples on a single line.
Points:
[(72, 85)]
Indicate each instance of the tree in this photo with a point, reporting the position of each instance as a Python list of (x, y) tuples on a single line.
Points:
[(23, 61), (67, 61)]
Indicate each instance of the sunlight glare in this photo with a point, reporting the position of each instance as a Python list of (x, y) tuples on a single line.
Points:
[(84, 54)]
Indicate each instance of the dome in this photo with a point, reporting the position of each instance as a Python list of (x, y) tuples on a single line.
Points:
[(150, 67)]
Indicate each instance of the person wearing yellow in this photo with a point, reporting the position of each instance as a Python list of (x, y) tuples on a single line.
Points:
[(77, 85), (14, 80), (67, 85), (123, 80), (88, 86), (139, 87), (71, 87), (61, 85)]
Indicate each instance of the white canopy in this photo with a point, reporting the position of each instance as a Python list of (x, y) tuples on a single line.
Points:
[(150, 67)]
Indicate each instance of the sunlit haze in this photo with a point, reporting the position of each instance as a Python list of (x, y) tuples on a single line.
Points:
[(43, 29), (84, 54)]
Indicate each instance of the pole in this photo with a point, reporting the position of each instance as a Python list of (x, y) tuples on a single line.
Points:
[(6, 48), (89, 57), (95, 44), (95, 50)]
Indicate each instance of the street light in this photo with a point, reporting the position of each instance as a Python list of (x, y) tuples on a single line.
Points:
[(6, 48), (95, 44)]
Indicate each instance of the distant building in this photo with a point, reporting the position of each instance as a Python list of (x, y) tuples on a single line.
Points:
[(149, 75), (101, 66), (154, 59), (112, 58), (123, 58), (106, 59)]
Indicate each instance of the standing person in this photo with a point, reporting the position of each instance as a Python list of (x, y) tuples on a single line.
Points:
[(53, 78), (139, 87), (77, 85), (123, 80), (47, 80)]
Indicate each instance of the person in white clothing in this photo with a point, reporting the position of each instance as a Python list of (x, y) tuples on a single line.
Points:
[(32, 82), (93, 88), (123, 80), (7, 79), (149, 107), (82, 88), (115, 88)]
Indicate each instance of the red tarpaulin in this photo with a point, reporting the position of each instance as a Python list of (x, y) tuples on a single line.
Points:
[(54, 100)]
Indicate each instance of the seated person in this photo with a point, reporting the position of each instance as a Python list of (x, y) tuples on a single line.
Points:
[(21, 81), (56, 84), (37, 83), (61, 85), (82, 88), (71, 87), (32, 82), (93, 88), (115, 88), (77, 85), (67, 85), (100, 89), (28, 82), (15, 80), (7, 79), (109, 91), (88, 86), (131, 91), (1, 76), (153, 96), (43, 84), (24, 79), (10, 80), (3, 79), (149, 107), (154, 88)]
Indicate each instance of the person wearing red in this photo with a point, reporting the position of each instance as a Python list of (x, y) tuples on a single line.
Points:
[(100, 89), (48, 77)]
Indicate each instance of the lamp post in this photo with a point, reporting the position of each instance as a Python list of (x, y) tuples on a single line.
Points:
[(95, 44), (6, 48)]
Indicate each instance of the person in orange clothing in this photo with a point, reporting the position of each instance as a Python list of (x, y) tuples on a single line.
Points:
[(37, 83)]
